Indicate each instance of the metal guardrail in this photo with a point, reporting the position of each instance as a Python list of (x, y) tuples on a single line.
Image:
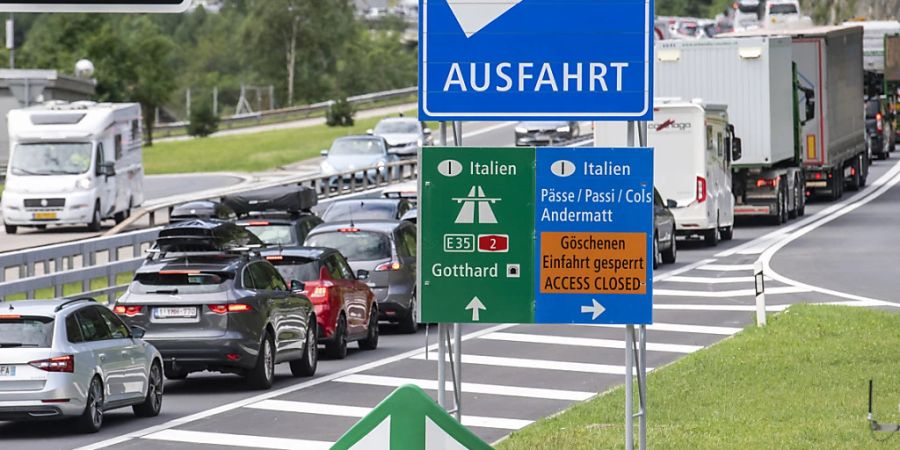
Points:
[(165, 130), (57, 266)]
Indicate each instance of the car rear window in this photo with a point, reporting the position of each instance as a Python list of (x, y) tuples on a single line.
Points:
[(782, 9), (273, 234), (171, 282), (26, 332), (354, 245), (300, 269), (360, 211)]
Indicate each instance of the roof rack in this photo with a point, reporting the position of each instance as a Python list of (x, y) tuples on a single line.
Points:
[(69, 302)]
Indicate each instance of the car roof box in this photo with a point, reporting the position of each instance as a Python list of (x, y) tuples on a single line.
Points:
[(280, 198), (204, 236)]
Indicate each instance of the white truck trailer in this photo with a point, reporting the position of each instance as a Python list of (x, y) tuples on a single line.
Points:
[(73, 163), (753, 77)]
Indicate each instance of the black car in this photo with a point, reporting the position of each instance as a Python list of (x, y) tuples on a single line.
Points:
[(201, 209), (209, 302), (366, 209), (665, 249), (546, 133), (278, 216), (879, 135)]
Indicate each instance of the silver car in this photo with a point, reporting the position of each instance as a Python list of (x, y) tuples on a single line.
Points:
[(74, 358), (405, 135), (357, 158)]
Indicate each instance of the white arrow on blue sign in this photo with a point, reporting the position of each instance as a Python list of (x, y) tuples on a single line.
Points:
[(535, 59)]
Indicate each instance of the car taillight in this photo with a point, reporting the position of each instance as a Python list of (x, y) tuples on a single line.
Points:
[(230, 308), (258, 223), (818, 175), (701, 189), (128, 310), (319, 292), (275, 258), (58, 364), (348, 230), (763, 182), (879, 122), (388, 266)]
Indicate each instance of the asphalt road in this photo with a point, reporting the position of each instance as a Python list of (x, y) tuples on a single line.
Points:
[(516, 374)]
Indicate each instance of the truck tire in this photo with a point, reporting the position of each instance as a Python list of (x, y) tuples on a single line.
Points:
[(11, 229), (778, 219), (856, 168), (864, 173)]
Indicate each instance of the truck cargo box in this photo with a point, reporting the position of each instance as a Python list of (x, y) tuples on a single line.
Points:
[(752, 76)]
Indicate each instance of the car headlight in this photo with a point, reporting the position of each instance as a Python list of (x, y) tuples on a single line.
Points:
[(564, 129), (380, 164), (84, 184), (327, 167), (521, 130)]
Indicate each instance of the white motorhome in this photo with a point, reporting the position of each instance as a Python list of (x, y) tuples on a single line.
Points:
[(694, 146), (72, 164)]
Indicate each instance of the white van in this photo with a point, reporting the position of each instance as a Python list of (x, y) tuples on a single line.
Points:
[(73, 163), (779, 13), (694, 146)]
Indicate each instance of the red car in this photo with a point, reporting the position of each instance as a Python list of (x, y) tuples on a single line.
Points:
[(346, 310)]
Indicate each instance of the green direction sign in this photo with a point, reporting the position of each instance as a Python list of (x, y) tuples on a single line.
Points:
[(409, 419), (477, 235)]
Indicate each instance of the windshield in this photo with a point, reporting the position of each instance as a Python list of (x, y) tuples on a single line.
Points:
[(355, 246), (786, 8), (26, 332), (749, 8), (63, 158), (349, 147), (273, 234), (298, 269), (396, 127), (354, 210)]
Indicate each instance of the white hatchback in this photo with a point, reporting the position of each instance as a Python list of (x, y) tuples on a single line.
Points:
[(74, 358)]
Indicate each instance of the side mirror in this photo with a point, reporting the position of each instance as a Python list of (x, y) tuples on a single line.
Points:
[(107, 169), (370, 131), (736, 150), (362, 274), (138, 332), (427, 131), (671, 203), (297, 286), (324, 152)]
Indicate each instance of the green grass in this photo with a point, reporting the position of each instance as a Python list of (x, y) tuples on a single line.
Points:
[(75, 288), (800, 383), (246, 152)]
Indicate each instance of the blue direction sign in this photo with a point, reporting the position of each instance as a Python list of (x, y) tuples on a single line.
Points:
[(594, 235), (535, 59)]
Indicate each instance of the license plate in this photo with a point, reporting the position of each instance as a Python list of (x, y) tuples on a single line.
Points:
[(44, 216), (188, 312), (7, 371)]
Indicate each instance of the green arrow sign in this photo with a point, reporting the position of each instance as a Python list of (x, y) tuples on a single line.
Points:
[(477, 235), (409, 419)]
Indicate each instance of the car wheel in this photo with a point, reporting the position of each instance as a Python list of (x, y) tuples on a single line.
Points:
[(337, 348), (153, 401), (173, 374), (371, 340), (96, 220), (306, 366), (91, 420), (671, 254), (727, 233), (262, 375), (711, 237), (11, 229), (409, 324), (657, 257)]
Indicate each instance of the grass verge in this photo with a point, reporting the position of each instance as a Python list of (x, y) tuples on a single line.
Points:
[(799, 383), (246, 152), (75, 288)]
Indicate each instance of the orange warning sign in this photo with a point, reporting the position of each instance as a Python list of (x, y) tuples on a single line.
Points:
[(593, 263)]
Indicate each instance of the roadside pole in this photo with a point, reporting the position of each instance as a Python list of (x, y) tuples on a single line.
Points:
[(457, 328), (759, 280), (442, 327), (642, 358)]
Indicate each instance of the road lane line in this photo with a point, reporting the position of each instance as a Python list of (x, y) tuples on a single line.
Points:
[(236, 440), (691, 307), (470, 388), (727, 267), (359, 412), (678, 328), (544, 364), (666, 275), (729, 294), (586, 342), (711, 280), (276, 393)]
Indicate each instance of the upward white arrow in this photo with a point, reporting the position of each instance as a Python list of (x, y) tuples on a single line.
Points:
[(476, 306), (596, 309), (473, 15)]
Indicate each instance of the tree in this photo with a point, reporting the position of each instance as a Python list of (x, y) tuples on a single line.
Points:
[(203, 122), (152, 75)]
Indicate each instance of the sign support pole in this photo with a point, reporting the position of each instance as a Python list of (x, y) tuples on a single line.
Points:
[(642, 357), (457, 328), (442, 328), (629, 383)]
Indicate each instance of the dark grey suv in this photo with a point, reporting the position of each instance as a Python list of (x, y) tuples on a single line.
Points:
[(225, 311)]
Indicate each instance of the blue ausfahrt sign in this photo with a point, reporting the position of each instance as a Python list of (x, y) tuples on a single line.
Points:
[(535, 59)]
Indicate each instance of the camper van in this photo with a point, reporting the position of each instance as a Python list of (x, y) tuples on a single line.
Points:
[(73, 164), (694, 147)]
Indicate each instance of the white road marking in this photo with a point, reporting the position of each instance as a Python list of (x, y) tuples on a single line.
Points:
[(358, 412), (586, 342), (749, 308), (276, 393), (472, 388), (680, 328), (666, 275), (236, 440), (727, 267), (544, 364), (711, 280), (729, 294)]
